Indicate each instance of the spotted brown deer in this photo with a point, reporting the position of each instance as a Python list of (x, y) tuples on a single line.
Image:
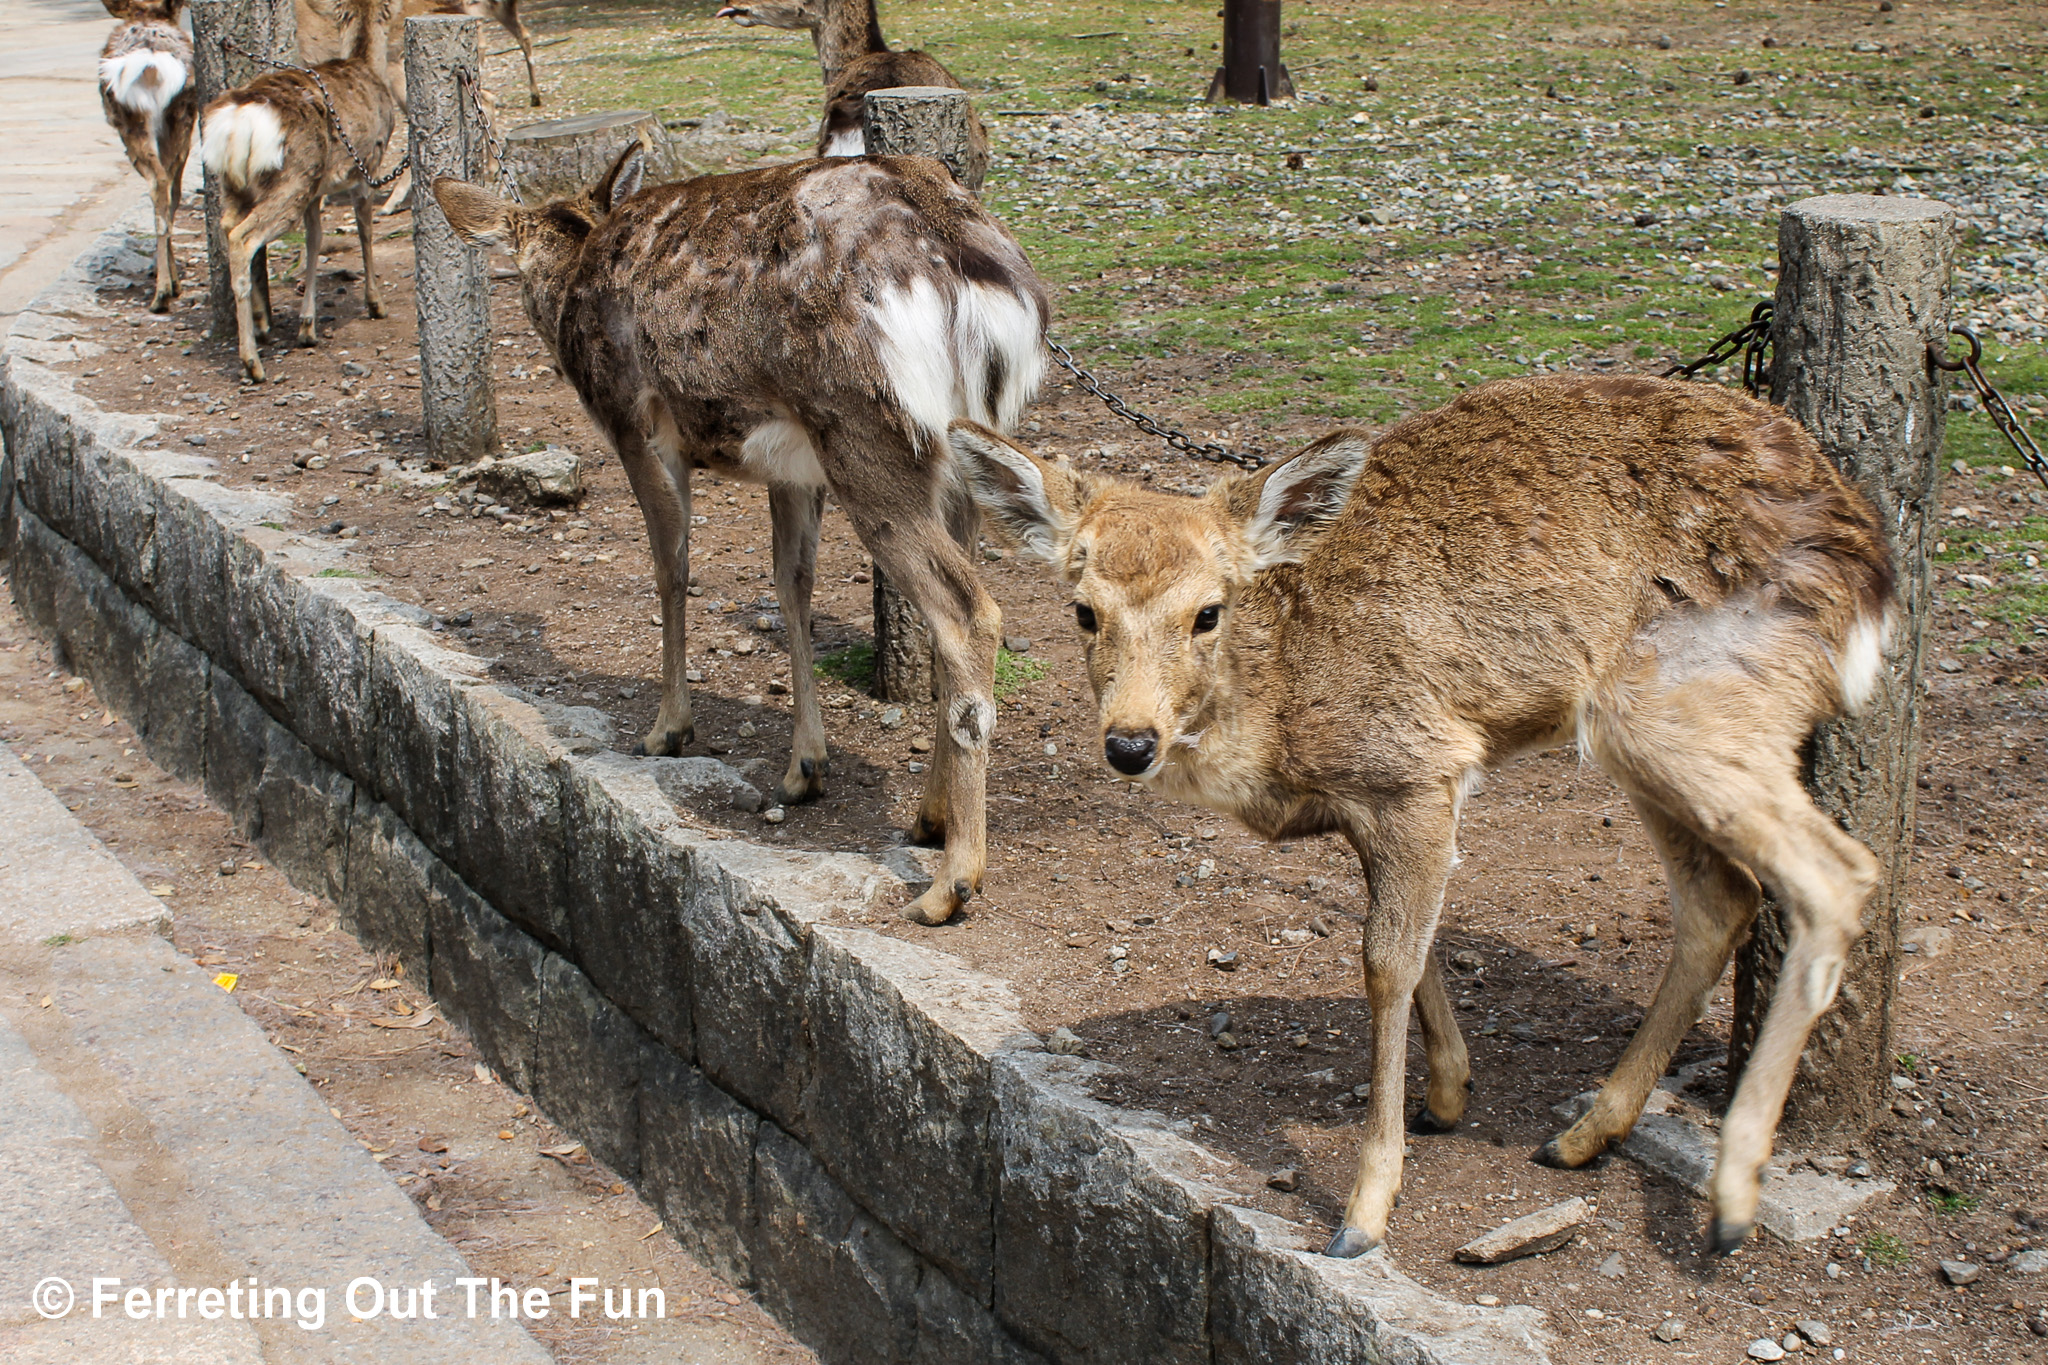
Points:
[(813, 327), (854, 60), (276, 152), (321, 35), (1668, 574), (147, 90)]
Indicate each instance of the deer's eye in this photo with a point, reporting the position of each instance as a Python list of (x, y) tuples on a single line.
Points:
[(1084, 616), (1205, 619)]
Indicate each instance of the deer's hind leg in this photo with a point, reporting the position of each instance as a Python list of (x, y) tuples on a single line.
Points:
[(795, 510), (1450, 1066), (894, 508), (373, 295), (309, 301), (1734, 786), (1713, 902), (649, 444)]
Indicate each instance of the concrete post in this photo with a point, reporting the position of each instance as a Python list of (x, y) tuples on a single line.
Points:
[(1862, 290), (268, 27), (925, 120), (451, 281), (913, 120)]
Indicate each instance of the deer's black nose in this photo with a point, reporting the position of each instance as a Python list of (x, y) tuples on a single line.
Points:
[(1130, 753)]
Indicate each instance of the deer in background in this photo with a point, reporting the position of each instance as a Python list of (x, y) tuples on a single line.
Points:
[(147, 89), (813, 327), (855, 60), (322, 35), (275, 152), (1669, 574)]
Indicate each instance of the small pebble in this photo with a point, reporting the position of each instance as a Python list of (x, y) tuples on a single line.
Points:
[(748, 729), (1065, 1042), (1486, 1300), (891, 718), (921, 745), (1016, 644), (1792, 1343), (1671, 1329), (1763, 1348), (1286, 1181), (774, 815), (227, 868), (1814, 1331), (1219, 1024), (1961, 1272)]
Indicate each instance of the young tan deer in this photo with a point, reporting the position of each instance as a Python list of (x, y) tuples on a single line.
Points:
[(813, 327), (147, 89), (275, 151), (855, 59), (1667, 573)]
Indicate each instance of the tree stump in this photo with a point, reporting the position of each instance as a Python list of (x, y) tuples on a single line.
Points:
[(926, 120), (451, 280), (1862, 290), (565, 156)]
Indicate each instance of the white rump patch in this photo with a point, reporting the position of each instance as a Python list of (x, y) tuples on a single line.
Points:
[(781, 452), (145, 82), (941, 350), (241, 142), (847, 142), (1861, 660)]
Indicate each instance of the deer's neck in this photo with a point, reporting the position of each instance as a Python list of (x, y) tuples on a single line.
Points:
[(850, 30)]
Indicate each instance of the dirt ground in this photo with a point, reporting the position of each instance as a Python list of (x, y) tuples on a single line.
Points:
[(518, 1199), (1103, 904)]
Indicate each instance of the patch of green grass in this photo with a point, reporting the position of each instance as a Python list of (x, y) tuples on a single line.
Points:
[(271, 525), (1909, 1063), (1015, 672), (853, 665), (1951, 1201), (58, 940), (343, 573), (1885, 1251)]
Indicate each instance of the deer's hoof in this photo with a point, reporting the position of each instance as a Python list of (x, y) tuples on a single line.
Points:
[(308, 337), (536, 101), (1350, 1242), (1426, 1121), (1724, 1236), (939, 903), (804, 782), (162, 302), (660, 743), (375, 308)]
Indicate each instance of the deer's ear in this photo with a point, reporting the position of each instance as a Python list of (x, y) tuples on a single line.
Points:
[(1301, 496), (479, 217), (1035, 503), (622, 181)]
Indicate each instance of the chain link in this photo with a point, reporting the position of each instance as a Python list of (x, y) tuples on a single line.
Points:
[(2001, 414), (1173, 436), (333, 115), (1752, 340), (494, 141)]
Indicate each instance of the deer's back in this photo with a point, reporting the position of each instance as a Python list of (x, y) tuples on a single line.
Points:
[(775, 279), (1505, 556)]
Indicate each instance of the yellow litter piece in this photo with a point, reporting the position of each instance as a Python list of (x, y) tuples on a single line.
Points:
[(226, 981)]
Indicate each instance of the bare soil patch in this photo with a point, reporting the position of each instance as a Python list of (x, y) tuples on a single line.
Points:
[(517, 1198), (1103, 904)]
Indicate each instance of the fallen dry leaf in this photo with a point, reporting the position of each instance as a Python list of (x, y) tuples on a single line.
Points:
[(483, 1074), (433, 1144), (163, 889), (504, 1135), (420, 1020), (384, 983)]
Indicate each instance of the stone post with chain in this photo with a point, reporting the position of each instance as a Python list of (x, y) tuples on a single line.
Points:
[(451, 280), (1862, 291), (269, 28), (912, 120), (1252, 72)]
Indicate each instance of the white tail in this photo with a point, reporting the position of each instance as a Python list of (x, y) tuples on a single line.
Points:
[(957, 349), (146, 82), (241, 142), (1862, 659)]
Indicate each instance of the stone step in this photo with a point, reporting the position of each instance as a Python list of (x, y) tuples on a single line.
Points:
[(150, 1134)]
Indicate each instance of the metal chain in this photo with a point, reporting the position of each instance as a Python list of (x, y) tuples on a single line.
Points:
[(1752, 340), (494, 141), (1173, 436), (333, 115), (1995, 406)]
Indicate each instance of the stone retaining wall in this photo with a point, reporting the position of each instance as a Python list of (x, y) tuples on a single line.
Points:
[(858, 1128)]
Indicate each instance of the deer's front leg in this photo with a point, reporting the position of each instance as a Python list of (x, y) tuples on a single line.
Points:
[(309, 302), (795, 511), (1407, 855), (373, 297), (661, 485)]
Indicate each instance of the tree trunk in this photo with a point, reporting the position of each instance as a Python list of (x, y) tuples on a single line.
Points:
[(563, 157), (926, 120), (1252, 72), (1862, 291), (451, 280)]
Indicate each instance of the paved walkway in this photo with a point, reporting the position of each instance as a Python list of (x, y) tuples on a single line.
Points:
[(151, 1139), (63, 176)]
